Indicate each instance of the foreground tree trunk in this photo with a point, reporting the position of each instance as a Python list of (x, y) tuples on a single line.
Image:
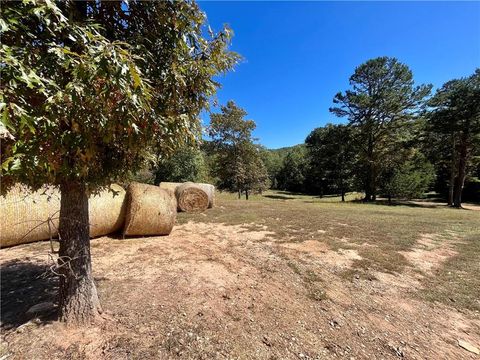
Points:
[(78, 302)]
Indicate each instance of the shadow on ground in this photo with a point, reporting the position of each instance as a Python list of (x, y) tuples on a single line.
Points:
[(24, 284), (279, 197)]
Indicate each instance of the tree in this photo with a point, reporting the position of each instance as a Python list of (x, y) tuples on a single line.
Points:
[(238, 164), (86, 110), (255, 178), (331, 156), (455, 117), (292, 174), (185, 164), (382, 100), (411, 179), (273, 163)]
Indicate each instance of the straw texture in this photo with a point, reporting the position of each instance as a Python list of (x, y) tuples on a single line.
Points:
[(207, 188), (25, 215), (210, 191), (170, 185), (191, 198), (150, 210), (107, 211)]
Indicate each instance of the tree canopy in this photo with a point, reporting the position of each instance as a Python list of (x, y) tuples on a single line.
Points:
[(90, 90), (382, 100), (331, 157), (454, 118), (238, 162)]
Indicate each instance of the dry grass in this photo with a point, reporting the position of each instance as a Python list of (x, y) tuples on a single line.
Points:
[(380, 233)]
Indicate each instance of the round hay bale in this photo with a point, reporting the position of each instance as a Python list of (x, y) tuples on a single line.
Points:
[(106, 211), (150, 210), (172, 186), (191, 198), (210, 191), (28, 216)]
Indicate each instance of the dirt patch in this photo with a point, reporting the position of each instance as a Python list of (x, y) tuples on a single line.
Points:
[(321, 252), (214, 291), (429, 253)]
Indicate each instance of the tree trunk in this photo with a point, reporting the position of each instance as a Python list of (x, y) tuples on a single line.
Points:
[(460, 180), (78, 299), (246, 194), (343, 195), (373, 182), (239, 194), (453, 170), (368, 195), (370, 184)]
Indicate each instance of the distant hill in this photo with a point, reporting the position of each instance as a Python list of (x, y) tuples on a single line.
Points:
[(282, 152)]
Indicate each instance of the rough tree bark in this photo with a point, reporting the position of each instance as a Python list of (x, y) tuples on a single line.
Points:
[(78, 299)]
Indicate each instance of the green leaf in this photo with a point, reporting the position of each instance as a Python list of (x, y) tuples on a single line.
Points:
[(7, 162), (136, 77)]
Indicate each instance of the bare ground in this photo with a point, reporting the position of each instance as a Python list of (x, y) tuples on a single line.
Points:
[(212, 291)]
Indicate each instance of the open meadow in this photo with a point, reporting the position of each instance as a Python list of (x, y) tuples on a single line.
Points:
[(280, 276)]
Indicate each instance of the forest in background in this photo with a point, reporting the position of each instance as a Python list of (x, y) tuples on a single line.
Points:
[(399, 141)]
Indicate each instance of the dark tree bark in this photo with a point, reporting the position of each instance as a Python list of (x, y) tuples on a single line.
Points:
[(343, 195), (453, 170), (239, 194), (451, 187), (371, 179), (461, 174), (246, 194), (78, 302)]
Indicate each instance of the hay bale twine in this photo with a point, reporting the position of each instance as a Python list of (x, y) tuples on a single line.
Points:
[(191, 198), (210, 191), (150, 210), (106, 211), (26, 215)]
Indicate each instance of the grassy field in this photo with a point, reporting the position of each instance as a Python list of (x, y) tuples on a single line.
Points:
[(384, 232)]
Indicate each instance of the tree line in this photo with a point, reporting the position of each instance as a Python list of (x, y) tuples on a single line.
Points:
[(399, 141)]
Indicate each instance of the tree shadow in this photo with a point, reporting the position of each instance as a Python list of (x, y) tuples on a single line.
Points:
[(284, 192), (409, 203), (280, 197), (24, 284)]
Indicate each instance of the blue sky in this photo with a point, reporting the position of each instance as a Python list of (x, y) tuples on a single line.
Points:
[(299, 54)]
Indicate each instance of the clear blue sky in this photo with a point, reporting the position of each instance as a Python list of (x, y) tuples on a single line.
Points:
[(299, 54)]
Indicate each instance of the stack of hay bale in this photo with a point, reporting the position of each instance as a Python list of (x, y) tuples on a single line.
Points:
[(141, 210)]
